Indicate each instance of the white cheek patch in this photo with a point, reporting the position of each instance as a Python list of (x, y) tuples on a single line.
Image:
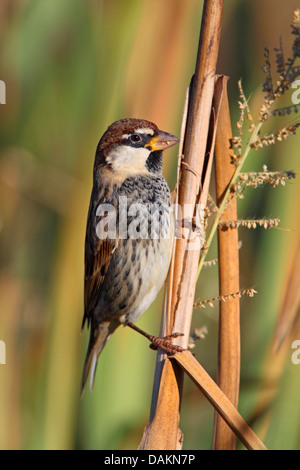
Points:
[(128, 160)]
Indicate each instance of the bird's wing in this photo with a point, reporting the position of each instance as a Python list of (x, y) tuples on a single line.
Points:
[(98, 253)]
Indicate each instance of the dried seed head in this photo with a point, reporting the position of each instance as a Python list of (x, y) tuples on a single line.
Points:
[(223, 298), (248, 223)]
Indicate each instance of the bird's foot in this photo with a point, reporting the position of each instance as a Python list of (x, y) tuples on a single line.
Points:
[(157, 342), (165, 344)]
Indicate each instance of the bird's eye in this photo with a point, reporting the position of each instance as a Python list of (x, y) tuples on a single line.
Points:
[(135, 138)]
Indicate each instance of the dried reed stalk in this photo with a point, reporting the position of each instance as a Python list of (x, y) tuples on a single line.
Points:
[(162, 432), (229, 317), (220, 402)]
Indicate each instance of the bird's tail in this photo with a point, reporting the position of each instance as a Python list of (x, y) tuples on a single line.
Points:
[(98, 339)]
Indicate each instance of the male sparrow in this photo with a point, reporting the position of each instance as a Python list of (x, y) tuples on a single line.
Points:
[(129, 234)]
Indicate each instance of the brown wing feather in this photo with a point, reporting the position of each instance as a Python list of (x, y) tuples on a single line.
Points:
[(96, 264), (98, 254)]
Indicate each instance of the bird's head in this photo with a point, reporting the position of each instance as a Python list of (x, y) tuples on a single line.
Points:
[(133, 146)]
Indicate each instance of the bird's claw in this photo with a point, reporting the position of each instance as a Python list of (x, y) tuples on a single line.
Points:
[(165, 344), (159, 343)]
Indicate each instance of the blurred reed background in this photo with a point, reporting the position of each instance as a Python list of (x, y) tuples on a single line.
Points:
[(71, 68)]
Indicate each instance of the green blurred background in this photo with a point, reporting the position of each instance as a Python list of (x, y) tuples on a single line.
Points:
[(71, 67)]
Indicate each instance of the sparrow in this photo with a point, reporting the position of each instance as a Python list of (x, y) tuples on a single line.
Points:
[(129, 233)]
